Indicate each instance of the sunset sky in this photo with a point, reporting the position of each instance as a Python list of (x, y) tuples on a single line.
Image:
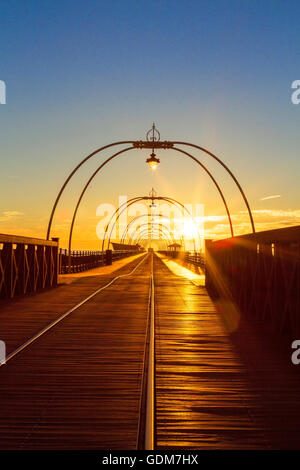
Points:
[(82, 74)]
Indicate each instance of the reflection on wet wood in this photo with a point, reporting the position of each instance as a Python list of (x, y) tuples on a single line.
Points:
[(205, 398)]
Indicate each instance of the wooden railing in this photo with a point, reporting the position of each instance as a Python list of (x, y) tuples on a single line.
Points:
[(260, 273), (84, 260), (196, 258), (26, 265), (191, 257)]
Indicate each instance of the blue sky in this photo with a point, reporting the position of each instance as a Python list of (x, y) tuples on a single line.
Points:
[(80, 74)]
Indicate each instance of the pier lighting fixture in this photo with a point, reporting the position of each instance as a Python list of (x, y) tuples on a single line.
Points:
[(153, 161)]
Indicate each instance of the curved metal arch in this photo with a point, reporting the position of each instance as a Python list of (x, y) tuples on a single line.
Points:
[(159, 228), (214, 181), (158, 231), (132, 220), (166, 240), (163, 243), (163, 240), (136, 199), (152, 225), (170, 200), (228, 171), (137, 146), (132, 201), (122, 142), (138, 217), (162, 227), (87, 185), (105, 163)]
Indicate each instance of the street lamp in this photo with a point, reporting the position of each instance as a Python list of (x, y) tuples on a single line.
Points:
[(153, 161), (153, 136)]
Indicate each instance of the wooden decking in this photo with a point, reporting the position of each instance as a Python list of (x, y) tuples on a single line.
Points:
[(219, 384), (78, 386)]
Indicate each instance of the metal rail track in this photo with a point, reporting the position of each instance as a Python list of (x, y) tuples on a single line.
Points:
[(146, 423)]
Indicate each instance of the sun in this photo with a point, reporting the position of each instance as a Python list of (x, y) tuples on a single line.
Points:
[(189, 229)]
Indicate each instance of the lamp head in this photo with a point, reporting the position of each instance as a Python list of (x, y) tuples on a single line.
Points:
[(153, 161)]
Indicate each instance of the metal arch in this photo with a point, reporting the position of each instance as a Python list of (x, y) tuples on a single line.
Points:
[(136, 199), (159, 233), (132, 201), (123, 142), (145, 215), (149, 223), (214, 181), (170, 200), (161, 226), (107, 161), (132, 220), (161, 230), (228, 171), (129, 203), (165, 241), (140, 144), (85, 188), (162, 242)]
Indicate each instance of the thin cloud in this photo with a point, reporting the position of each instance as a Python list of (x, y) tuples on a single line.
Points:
[(275, 196), (7, 215), (293, 214)]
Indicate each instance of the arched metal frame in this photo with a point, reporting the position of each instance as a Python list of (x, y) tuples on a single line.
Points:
[(123, 206), (87, 185), (165, 240), (158, 230), (228, 171), (139, 217), (141, 240), (215, 183), (161, 241), (122, 142), (161, 227), (105, 163), (146, 145), (126, 231), (132, 201)]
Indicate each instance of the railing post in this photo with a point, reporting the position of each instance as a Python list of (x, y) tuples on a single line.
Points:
[(108, 257), (57, 261)]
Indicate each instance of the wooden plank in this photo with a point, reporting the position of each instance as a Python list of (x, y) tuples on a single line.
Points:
[(216, 389), (79, 385)]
